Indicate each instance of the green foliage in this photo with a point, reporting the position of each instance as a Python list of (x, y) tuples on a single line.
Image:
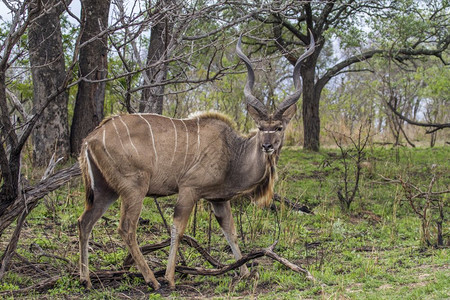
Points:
[(437, 81), (406, 23), (65, 286), (12, 282)]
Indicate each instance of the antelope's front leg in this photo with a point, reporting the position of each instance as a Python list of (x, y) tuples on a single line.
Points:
[(222, 211), (182, 211)]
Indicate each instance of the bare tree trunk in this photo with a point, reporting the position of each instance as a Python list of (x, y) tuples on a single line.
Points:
[(51, 133), (88, 110), (310, 106), (160, 36), (9, 163), (311, 123)]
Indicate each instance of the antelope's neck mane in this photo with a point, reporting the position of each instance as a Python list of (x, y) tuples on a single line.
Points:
[(203, 115), (213, 115)]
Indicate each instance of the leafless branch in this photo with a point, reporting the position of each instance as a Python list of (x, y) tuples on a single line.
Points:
[(436, 126)]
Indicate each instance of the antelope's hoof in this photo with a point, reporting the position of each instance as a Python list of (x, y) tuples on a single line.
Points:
[(86, 283), (156, 285), (170, 283)]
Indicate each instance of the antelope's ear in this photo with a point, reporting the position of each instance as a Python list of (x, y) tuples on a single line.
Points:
[(256, 115), (289, 113)]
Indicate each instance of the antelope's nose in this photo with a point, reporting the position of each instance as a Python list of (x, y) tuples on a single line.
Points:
[(267, 147)]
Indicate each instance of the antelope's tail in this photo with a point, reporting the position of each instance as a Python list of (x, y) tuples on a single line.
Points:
[(86, 174)]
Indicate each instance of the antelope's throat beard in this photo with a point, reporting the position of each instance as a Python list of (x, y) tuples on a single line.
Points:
[(264, 190)]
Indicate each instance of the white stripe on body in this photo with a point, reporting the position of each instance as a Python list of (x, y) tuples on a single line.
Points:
[(118, 135), (91, 174), (104, 144), (151, 134), (187, 142), (176, 141), (198, 135), (129, 136)]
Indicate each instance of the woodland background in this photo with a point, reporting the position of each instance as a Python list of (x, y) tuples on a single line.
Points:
[(378, 81)]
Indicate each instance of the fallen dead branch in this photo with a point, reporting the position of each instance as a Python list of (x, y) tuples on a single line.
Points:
[(268, 252), (190, 241)]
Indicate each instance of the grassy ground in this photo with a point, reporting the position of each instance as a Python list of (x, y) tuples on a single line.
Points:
[(374, 251)]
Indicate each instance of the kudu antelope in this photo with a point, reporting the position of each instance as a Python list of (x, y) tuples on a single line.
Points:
[(139, 155)]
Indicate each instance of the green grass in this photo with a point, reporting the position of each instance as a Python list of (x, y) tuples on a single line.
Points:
[(372, 252)]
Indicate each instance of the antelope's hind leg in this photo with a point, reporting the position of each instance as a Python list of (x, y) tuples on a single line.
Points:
[(101, 197), (222, 211), (129, 217)]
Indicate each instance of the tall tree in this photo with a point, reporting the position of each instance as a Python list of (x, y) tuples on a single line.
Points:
[(156, 72), (290, 22), (51, 134), (93, 64)]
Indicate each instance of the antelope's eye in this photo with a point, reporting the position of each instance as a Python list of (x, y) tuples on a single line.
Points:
[(260, 129), (279, 128)]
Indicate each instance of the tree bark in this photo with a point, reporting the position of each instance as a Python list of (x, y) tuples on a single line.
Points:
[(9, 159), (51, 133), (160, 36), (310, 112), (90, 98)]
